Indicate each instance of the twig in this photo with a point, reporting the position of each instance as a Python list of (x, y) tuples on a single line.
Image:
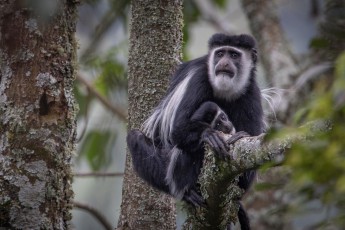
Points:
[(311, 74), (108, 19), (210, 14), (121, 113), (98, 174), (94, 213)]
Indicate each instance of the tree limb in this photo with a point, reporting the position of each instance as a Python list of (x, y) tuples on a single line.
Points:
[(211, 15), (277, 59), (99, 174), (95, 213), (121, 113), (219, 178)]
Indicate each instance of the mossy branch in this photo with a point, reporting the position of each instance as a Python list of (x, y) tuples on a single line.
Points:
[(219, 178)]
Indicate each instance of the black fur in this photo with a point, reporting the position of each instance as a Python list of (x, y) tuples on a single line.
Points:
[(152, 162), (244, 111)]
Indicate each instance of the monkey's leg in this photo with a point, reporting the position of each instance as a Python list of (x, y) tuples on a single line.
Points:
[(194, 198), (243, 218), (149, 162)]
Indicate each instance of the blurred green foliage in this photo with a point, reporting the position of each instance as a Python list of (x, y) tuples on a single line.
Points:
[(318, 164), (95, 147), (111, 72)]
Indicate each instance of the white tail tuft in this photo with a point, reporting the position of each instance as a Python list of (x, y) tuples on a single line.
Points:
[(272, 97)]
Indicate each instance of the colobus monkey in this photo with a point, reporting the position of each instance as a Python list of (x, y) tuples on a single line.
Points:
[(225, 76), (169, 170)]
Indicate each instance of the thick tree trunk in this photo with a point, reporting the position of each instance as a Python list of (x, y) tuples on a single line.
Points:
[(37, 115), (155, 47)]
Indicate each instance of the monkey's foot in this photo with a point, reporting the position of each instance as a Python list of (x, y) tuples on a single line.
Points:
[(194, 198)]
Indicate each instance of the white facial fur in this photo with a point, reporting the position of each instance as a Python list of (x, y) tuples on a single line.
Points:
[(224, 86), (213, 123)]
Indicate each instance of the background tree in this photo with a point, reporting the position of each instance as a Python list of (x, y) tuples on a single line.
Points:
[(101, 93), (37, 114), (154, 51)]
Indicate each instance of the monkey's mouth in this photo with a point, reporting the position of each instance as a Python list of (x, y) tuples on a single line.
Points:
[(225, 72)]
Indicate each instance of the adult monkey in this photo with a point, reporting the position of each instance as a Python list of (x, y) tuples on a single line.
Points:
[(177, 174), (226, 76)]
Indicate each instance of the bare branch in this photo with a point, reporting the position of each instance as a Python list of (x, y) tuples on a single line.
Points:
[(95, 213), (109, 18), (121, 113), (311, 74), (296, 93), (277, 59), (98, 174), (210, 15)]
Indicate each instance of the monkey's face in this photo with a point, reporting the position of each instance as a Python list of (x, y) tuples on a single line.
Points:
[(229, 71), (222, 123)]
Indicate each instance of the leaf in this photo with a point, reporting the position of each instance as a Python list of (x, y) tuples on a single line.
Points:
[(266, 186), (94, 148), (319, 43), (220, 3)]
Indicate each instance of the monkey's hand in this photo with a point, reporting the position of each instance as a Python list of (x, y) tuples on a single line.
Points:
[(192, 197), (236, 136), (216, 142)]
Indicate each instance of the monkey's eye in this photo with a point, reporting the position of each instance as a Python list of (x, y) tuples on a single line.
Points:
[(218, 124), (234, 55), (220, 53), (222, 117)]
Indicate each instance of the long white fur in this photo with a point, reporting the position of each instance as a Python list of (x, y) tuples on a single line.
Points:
[(164, 115), (174, 154), (224, 86), (272, 98)]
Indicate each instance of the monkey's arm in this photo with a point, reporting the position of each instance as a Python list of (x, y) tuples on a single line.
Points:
[(187, 133), (216, 141), (236, 136)]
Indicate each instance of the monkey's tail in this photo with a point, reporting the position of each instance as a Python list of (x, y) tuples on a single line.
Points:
[(272, 98), (243, 218)]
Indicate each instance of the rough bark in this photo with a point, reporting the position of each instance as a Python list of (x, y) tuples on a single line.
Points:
[(275, 54), (155, 48), (219, 178), (37, 115), (332, 29)]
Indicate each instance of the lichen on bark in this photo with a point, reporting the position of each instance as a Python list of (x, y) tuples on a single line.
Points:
[(154, 50), (37, 115)]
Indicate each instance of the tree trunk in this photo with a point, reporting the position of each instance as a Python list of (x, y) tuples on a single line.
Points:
[(275, 55), (155, 47), (37, 114)]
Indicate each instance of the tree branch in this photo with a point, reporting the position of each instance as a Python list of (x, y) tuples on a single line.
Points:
[(219, 178), (121, 113), (95, 213), (279, 62), (98, 174), (211, 15), (108, 19), (297, 91)]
